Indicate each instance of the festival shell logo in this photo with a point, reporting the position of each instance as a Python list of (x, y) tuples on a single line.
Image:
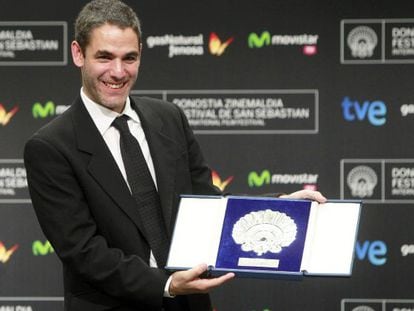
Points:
[(362, 41), (264, 231), (362, 180)]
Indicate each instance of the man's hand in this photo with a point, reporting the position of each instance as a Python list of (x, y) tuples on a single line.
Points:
[(189, 281), (305, 194)]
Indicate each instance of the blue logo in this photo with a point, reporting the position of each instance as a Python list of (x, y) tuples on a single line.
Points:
[(375, 111), (374, 251)]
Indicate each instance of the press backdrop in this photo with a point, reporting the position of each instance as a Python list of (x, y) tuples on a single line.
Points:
[(282, 95)]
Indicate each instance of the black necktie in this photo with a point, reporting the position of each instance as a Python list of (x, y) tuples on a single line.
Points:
[(144, 191)]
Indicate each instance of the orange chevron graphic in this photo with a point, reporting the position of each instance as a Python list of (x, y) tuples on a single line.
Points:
[(6, 254), (215, 45), (6, 116), (218, 182)]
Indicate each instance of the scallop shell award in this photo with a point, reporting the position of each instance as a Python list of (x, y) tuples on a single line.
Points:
[(264, 231)]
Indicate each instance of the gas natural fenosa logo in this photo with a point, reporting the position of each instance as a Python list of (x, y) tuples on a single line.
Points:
[(178, 45), (221, 184), (5, 254), (216, 46), (5, 115), (407, 249)]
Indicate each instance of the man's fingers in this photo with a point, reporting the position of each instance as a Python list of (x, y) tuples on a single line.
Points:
[(220, 280), (307, 194), (196, 271), (189, 281), (317, 196), (205, 285)]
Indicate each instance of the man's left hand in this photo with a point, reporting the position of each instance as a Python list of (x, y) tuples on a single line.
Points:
[(305, 194)]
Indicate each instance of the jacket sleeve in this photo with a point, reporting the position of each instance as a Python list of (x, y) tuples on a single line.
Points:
[(66, 220)]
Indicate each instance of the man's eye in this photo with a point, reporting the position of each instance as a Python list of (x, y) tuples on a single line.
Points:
[(131, 59)]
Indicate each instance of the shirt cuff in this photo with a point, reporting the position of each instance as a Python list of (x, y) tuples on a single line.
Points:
[(167, 287)]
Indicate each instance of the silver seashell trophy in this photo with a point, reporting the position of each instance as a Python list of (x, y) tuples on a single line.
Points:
[(264, 231)]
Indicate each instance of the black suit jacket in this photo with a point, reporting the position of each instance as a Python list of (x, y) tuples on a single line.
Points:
[(88, 214)]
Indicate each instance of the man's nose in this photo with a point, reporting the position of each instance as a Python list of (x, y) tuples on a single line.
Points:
[(117, 69)]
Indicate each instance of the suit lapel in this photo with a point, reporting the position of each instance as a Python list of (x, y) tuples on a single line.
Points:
[(102, 166), (164, 154), (105, 171)]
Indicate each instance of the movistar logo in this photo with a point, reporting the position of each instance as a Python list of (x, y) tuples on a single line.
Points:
[(256, 180), (255, 41), (42, 249), (43, 111)]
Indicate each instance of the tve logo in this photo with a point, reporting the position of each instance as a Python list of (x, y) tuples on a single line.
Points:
[(375, 111), (256, 180), (42, 249), (374, 251)]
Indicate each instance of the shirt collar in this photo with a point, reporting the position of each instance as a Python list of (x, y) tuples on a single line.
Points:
[(102, 116)]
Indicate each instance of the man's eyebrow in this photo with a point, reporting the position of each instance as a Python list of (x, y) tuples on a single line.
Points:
[(103, 53), (133, 54), (107, 53)]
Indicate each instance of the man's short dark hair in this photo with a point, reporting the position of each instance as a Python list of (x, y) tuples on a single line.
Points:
[(100, 12)]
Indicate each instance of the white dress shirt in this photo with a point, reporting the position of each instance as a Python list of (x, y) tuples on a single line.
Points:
[(103, 118)]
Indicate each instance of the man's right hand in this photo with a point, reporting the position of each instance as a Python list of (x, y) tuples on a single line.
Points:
[(190, 281)]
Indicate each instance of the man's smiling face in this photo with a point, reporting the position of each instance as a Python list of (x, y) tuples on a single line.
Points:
[(109, 65)]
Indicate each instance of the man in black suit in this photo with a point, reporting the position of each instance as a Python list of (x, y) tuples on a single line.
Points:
[(80, 183)]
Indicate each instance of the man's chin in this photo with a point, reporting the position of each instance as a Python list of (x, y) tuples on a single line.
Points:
[(115, 105)]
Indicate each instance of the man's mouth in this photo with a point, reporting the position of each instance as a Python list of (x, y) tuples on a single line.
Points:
[(114, 85)]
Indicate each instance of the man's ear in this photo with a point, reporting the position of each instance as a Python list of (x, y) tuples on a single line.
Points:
[(77, 54)]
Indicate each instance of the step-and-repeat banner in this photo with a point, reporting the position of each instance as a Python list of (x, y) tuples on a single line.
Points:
[(282, 95)]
